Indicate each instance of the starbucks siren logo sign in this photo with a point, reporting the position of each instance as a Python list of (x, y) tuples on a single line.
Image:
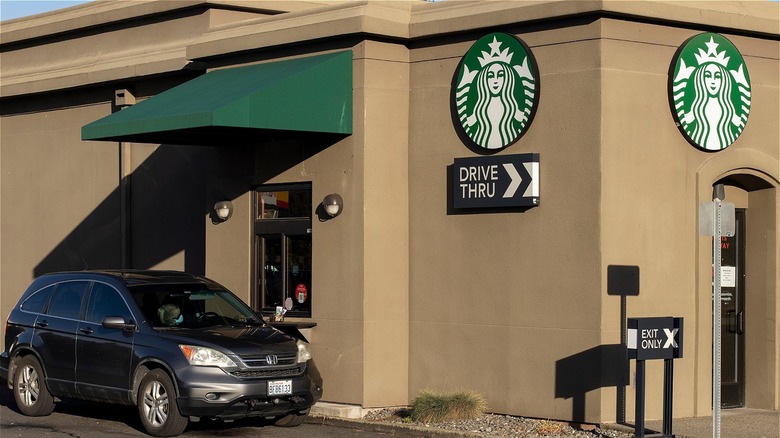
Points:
[(709, 91), (497, 91)]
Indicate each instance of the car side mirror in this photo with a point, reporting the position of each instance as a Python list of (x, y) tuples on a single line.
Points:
[(117, 322)]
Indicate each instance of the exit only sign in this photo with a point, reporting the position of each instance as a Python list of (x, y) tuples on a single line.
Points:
[(654, 338)]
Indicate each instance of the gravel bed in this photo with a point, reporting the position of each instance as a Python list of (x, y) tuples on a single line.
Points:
[(492, 425)]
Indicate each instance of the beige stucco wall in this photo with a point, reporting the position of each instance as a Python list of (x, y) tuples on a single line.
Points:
[(653, 184), (406, 295), (51, 184), (498, 299), (516, 295), (667, 180)]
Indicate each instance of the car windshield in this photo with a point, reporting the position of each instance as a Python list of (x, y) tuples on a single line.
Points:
[(191, 306)]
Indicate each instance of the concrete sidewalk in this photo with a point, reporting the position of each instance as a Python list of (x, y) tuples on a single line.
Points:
[(734, 423)]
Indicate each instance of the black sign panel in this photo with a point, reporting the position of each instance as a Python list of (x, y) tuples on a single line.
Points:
[(622, 280), (655, 338), (496, 181)]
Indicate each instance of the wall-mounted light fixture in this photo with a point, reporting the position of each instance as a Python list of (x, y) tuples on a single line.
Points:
[(333, 204), (223, 210)]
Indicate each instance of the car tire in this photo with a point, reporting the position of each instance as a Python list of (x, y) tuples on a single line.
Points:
[(157, 405), (292, 420), (30, 392)]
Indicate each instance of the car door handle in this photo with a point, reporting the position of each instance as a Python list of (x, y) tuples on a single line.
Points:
[(86, 330), (42, 323)]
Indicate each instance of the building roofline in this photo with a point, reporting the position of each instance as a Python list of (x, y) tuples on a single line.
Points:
[(106, 12), (285, 23), (411, 20)]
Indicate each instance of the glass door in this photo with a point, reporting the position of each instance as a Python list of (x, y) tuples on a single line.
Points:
[(733, 316)]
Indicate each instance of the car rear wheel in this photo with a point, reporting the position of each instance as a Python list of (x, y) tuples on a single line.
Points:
[(30, 392), (157, 405), (292, 420)]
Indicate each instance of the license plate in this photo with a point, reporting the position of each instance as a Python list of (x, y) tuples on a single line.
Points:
[(280, 387)]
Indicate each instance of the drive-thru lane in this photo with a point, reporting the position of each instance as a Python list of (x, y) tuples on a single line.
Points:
[(94, 420)]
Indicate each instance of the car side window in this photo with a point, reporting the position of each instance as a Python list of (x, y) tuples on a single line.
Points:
[(37, 301), (106, 301), (66, 300)]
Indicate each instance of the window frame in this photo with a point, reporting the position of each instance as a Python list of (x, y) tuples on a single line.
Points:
[(129, 317), (283, 229)]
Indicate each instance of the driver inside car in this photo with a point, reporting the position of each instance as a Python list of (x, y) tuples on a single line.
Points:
[(170, 315)]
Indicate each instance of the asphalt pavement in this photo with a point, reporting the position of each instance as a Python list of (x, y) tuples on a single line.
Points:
[(93, 420)]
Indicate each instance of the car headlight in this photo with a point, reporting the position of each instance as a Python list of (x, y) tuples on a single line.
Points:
[(207, 357), (303, 352)]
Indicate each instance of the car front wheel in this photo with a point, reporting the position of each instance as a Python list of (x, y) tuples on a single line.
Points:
[(30, 392), (157, 405)]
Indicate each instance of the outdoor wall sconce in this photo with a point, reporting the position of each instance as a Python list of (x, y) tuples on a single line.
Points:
[(223, 210), (333, 204)]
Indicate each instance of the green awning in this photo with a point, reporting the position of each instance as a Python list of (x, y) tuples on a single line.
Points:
[(305, 95)]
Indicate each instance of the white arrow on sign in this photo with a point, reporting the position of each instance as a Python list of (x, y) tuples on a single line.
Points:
[(516, 180)]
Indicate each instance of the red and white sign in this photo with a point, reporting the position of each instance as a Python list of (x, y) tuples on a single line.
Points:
[(301, 293)]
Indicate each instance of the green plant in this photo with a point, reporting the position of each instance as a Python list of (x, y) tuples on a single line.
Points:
[(433, 407)]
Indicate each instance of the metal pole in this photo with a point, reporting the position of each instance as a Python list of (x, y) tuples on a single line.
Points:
[(639, 421), (716, 321), (621, 388), (668, 395)]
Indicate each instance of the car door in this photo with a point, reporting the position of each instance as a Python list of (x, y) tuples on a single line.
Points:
[(104, 355), (55, 336)]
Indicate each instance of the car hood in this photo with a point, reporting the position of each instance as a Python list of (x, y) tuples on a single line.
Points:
[(238, 340)]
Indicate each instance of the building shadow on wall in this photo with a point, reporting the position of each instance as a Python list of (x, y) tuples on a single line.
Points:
[(599, 367), (167, 199)]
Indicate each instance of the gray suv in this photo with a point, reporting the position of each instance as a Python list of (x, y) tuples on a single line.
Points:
[(175, 345)]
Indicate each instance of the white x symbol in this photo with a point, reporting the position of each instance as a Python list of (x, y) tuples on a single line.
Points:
[(670, 334)]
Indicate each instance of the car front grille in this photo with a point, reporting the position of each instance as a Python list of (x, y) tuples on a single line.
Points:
[(265, 360), (264, 366), (267, 373)]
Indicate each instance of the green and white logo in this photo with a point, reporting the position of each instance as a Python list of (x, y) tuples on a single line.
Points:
[(709, 91), (497, 91)]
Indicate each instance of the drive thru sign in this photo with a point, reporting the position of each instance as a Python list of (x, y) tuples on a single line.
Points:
[(496, 181)]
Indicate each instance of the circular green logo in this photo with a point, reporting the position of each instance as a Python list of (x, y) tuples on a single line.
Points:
[(496, 92), (709, 91)]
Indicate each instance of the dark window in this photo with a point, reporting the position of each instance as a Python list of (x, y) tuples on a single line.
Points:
[(283, 247), (66, 301), (37, 301), (106, 301)]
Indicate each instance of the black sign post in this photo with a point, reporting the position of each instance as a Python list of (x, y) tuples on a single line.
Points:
[(622, 280), (496, 181), (654, 338)]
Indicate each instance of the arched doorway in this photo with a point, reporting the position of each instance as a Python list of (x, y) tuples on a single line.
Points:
[(749, 341)]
